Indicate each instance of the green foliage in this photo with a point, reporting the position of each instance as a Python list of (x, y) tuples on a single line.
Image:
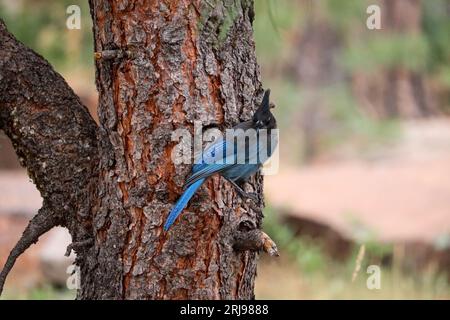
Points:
[(344, 14), (320, 277), (307, 253), (288, 98), (42, 27), (384, 52), (273, 21), (45, 292), (354, 124), (436, 26), (378, 249)]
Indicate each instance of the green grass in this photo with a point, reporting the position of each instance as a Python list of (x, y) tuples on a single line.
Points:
[(305, 271), (335, 283), (44, 292)]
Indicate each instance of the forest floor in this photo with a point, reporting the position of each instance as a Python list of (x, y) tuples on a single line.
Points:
[(395, 195), (401, 192), (293, 283)]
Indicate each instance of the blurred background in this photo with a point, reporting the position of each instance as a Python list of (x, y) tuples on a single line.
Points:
[(365, 154)]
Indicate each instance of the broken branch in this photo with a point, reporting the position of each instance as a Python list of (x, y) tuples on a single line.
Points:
[(54, 137), (255, 240)]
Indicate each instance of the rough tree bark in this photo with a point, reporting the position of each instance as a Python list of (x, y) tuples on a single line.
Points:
[(160, 66)]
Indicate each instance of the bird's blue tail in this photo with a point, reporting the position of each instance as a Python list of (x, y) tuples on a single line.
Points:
[(181, 203)]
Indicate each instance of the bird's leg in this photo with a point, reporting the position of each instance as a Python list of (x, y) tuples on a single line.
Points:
[(242, 192)]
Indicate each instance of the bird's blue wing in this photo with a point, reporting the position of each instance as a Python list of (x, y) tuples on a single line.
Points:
[(215, 158), (209, 155), (205, 172), (221, 156)]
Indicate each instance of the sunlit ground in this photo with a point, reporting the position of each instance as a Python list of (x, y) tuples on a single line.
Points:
[(303, 271), (291, 283), (283, 279)]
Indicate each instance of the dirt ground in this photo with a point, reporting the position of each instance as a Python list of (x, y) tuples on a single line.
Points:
[(400, 193)]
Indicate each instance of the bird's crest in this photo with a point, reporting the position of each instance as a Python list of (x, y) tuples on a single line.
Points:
[(265, 104)]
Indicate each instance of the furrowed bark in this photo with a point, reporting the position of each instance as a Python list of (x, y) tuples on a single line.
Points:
[(55, 139), (161, 65)]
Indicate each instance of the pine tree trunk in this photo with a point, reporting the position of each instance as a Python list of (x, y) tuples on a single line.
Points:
[(185, 62), (160, 66)]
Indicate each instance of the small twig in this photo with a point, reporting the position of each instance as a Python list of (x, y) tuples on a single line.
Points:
[(113, 54), (77, 245), (42, 222), (209, 3), (359, 260)]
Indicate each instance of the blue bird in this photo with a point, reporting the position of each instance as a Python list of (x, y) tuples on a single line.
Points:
[(235, 161)]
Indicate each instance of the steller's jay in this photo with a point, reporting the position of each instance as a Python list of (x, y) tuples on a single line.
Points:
[(236, 162)]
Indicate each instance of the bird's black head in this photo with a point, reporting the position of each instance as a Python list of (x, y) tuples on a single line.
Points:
[(263, 118)]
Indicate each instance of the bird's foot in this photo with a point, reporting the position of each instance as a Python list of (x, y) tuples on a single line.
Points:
[(250, 196)]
